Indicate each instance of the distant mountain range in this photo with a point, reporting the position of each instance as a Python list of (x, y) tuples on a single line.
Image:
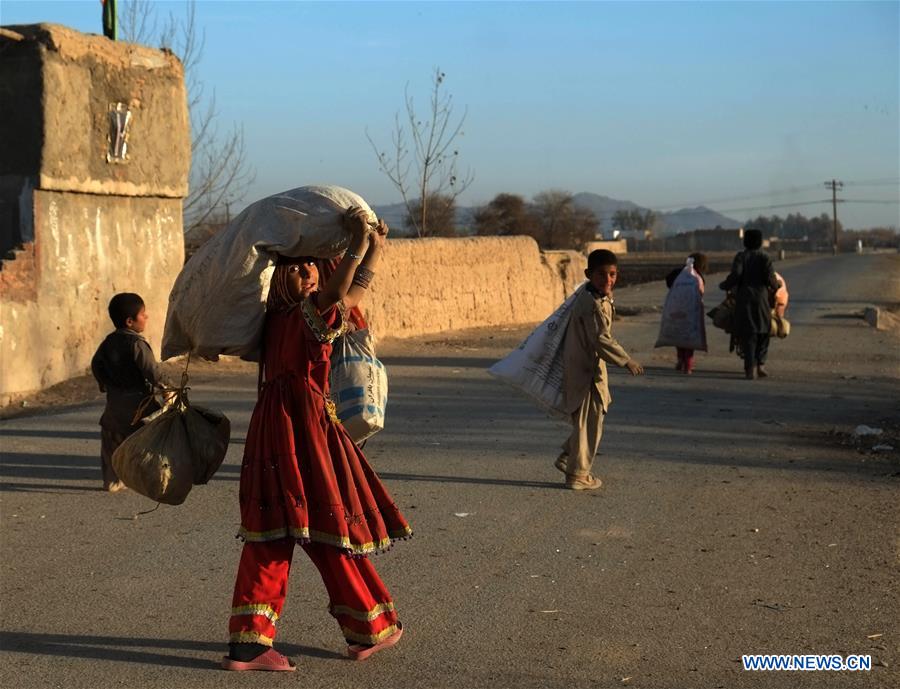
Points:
[(603, 207), (673, 222)]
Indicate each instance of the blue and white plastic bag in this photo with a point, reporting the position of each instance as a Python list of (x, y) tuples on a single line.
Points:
[(359, 385)]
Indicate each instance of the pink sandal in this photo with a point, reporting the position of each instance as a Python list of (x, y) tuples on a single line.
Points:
[(271, 661), (361, 652)]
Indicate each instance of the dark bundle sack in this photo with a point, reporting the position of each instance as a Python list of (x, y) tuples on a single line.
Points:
[(723, 314), (178, 448)]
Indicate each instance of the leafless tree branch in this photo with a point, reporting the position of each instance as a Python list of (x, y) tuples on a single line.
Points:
[(220, 172), (434, 164)]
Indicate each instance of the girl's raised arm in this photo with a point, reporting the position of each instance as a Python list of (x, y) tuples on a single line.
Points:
[(366, 270), (360, 258)]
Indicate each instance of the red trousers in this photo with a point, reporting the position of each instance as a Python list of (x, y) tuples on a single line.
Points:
[(685, 359), (359, 600)]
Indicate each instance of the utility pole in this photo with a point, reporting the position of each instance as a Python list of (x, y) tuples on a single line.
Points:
[(834, 185), (110, 19)]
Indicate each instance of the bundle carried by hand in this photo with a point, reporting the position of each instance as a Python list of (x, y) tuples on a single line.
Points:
[(180, 447), (723, 314), (217, 305), (780, 326)]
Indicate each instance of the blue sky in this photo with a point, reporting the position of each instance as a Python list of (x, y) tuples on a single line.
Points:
[(665, 104)]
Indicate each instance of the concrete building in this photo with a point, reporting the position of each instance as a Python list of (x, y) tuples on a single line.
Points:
[(94, 162)]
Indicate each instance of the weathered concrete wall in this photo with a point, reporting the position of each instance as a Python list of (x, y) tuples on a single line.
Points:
[(58, 86), (432, 285), (87, 248), (75, 226)]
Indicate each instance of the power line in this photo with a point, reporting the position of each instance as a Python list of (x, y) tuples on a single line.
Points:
[(687, 213), (777, 205), (684, 210), (882, 181), (759, 195), (798, 204)]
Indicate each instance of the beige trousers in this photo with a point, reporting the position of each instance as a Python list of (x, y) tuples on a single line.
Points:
[(587, 429)]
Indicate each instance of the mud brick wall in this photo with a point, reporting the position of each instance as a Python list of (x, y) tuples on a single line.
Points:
[(431, 285)]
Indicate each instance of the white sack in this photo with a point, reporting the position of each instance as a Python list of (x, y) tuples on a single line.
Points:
[(535, 367), (682, 316), (217, 305), (359, 385)]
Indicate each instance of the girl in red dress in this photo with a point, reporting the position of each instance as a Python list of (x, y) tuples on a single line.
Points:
[(303, 480)]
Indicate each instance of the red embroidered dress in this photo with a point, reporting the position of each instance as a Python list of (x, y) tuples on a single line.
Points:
[(302, 475)]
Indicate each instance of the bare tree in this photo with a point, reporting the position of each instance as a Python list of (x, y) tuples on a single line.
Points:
[(433, 160), (562, 224), (506, 214), (220, 173), (635, 221), (441, 215)]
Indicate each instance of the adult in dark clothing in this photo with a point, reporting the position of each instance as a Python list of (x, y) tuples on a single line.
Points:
[(751, 278)]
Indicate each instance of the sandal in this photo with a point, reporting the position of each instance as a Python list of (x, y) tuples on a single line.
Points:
[(270, 660), (361, 651)]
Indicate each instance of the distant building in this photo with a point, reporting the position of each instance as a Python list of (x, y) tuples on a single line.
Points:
[(633, 235), (617, 246), (717, 239)]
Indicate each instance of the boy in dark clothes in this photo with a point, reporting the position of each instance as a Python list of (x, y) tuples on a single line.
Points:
[(127, 372)]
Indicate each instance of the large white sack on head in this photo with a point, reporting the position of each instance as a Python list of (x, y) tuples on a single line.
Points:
[(535, 367), (217, 305)]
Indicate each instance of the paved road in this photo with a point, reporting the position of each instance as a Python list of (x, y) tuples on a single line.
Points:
[(736, 517)]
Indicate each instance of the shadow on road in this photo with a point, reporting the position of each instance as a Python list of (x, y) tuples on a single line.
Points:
[(467, 480), (12, 412), (221, 475), (425, 360), (66, 468), (830, 302), (6, 487), (842, 316), (670, 372), (47, 433), (50, 467), (130, 650)]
